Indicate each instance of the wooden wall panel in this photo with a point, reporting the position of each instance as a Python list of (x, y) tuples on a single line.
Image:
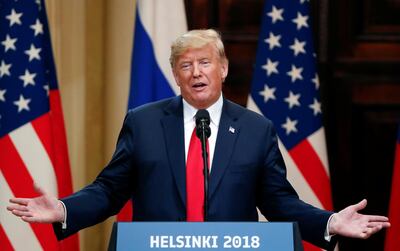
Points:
[(363, 96)]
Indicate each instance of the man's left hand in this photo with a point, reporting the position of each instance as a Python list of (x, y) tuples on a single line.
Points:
[(349, 223)]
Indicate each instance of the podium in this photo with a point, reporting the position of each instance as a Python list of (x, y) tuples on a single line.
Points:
[(145, 236)]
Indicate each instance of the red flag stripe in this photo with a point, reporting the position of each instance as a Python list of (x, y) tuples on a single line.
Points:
[(313, 171), (62, 165), (393, 233), (35, 158), (14, 171), (125, 215), (310, 247), (12, 225), (21, 185), (5, 243)]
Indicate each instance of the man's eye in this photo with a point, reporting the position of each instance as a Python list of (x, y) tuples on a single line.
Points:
[(185, 66)]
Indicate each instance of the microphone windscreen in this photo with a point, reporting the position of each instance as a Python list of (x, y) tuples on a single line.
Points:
[(202, 123), (202, 115)]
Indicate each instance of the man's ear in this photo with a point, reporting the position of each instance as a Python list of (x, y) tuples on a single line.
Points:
[(224, 69)]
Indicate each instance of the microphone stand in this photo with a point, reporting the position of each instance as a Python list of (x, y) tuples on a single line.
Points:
[(203, 139)]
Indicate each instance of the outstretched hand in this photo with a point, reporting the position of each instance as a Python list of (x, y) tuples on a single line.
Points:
[(349, 223), (42, 209)]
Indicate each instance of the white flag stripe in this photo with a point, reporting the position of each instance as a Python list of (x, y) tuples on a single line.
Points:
[(293, 173), (297, 179), (18, 232), (251, 105), (35, 157), (317, 141), (156, 12)]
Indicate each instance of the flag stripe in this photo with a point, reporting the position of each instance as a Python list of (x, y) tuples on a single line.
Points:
[(297, 179), (35, 157), (317, 141), (126, 213), (5, 243), (59, 153), (313, 171), (42, 127), (21, 184), (14, 228), (309, 247), (393, 233), (14, 170)]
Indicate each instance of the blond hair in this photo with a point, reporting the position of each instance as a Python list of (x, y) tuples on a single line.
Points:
[(197, 39)]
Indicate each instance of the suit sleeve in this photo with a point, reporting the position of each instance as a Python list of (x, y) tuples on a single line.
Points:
[(107, 194), (280, 202)]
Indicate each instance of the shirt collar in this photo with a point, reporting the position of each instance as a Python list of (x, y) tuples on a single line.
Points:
[(215, 111)]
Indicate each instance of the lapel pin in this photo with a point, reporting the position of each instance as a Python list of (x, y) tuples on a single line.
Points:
[(231, 129)]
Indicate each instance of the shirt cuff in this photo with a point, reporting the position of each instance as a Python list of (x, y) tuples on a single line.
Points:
[(64, 222), (327, 235)]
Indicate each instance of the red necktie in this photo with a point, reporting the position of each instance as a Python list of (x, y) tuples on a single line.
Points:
[(194, 181)]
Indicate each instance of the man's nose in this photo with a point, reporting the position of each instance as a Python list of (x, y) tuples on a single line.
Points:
[(196, 71)]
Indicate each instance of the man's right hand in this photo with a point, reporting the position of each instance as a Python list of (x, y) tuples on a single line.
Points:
[(42, 209)]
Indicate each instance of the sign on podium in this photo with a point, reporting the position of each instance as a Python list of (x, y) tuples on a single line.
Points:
[(145, 236)]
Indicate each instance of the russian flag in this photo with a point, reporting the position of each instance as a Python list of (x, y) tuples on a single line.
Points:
[(393, 233), (158, 23)]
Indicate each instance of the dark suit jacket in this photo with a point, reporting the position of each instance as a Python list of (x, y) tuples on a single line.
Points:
[(149, 165)]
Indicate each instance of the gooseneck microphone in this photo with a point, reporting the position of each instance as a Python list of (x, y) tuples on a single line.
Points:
[(203, 131)]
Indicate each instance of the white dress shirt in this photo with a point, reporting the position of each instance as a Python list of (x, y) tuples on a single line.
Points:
[(189, 121)]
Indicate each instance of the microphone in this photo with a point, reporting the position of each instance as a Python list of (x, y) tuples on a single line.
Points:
[(203, 131), (203, 123)]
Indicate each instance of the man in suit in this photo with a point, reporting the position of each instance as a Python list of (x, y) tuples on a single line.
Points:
[(154, 147)]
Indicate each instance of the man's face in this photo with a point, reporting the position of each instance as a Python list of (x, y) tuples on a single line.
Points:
[(199, 72)]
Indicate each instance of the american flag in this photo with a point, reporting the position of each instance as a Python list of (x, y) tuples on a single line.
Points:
[(33, 146), (285, 89)]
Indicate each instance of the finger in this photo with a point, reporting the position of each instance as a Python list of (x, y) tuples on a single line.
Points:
[(373, 224), (360, 205), (363, 236), (38, 189), (30, 219), (22, 213), (21, 201), (374, 230), (378, 223), (384, 224), (377, 218), (17, 207), (366, 233)]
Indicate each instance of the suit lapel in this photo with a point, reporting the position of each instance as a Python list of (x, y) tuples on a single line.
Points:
[(228, 132), (173, 129)]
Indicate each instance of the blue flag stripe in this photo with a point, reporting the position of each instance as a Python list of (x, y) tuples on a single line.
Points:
[(148, 83)]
